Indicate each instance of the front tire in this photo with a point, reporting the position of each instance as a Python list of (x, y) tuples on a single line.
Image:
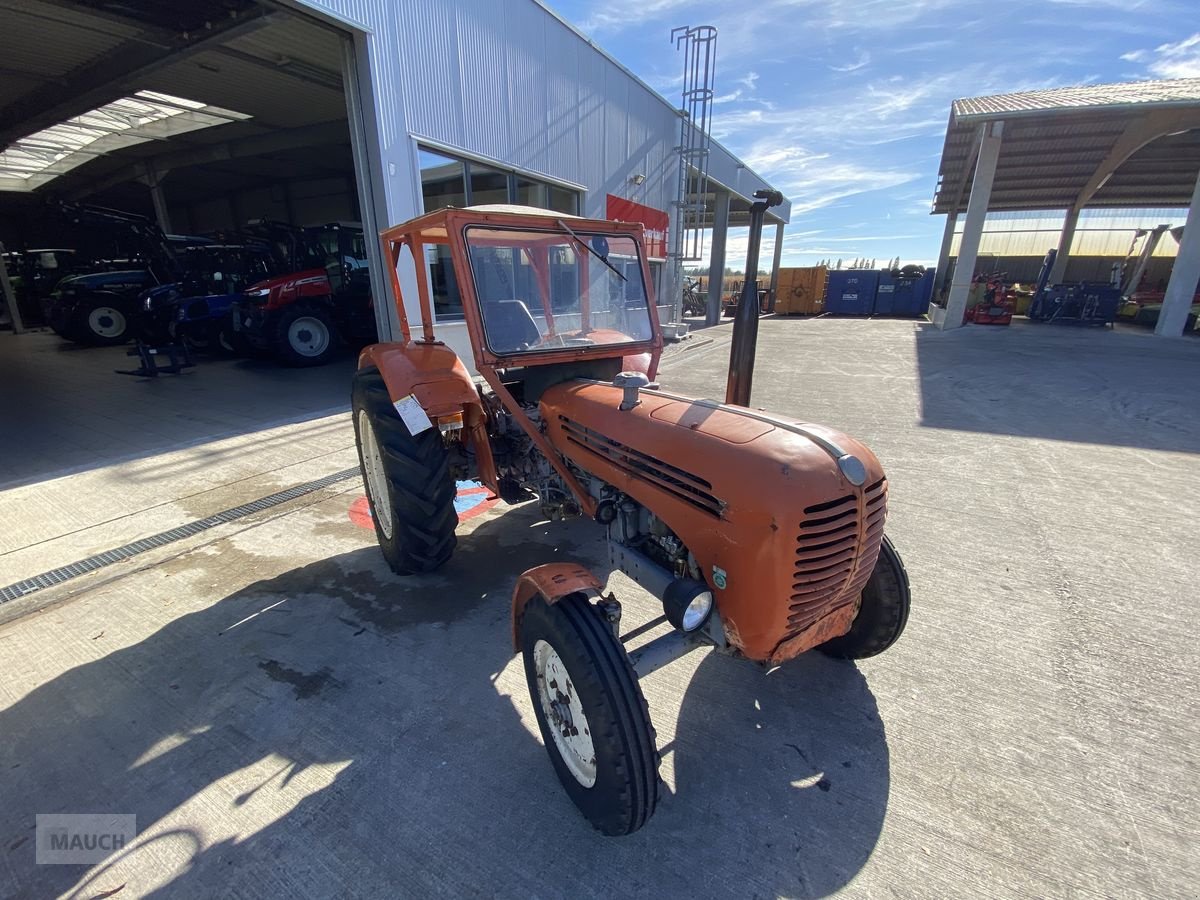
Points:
[(409, 485), (882, 613), (305, 336), (591, 713)]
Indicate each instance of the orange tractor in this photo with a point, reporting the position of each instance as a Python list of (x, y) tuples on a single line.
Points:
[(760, 534)]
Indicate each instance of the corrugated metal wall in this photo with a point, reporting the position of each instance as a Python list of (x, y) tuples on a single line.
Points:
[(507, 81)]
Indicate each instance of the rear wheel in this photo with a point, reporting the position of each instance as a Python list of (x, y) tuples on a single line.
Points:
[(591, 713), (882, 613), (305, 336), (100, 322), (409, 485)]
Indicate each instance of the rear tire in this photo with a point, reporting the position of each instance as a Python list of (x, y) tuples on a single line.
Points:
[(305, 336), (591, 713), (882, 614), (101, 323), (407, 477)]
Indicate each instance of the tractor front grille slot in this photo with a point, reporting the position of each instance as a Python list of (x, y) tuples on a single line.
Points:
[(835, 554), (681, 484)]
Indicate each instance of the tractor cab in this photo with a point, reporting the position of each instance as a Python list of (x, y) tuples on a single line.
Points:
[(536, 289)]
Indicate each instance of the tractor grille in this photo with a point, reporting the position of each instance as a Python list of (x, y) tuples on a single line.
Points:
[(834, 556), (681, 484)]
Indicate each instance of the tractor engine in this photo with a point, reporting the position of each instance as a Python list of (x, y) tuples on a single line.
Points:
[(782, 520)]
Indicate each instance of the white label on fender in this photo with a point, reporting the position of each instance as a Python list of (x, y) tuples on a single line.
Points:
[(412, 414)]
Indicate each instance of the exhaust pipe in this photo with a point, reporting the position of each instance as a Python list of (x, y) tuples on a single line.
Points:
[(745, 322)]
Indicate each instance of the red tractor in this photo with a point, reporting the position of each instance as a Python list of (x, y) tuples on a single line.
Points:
[(302, 316), (760, 534)]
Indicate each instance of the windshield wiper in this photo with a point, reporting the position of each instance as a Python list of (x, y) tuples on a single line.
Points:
[(588, 247)]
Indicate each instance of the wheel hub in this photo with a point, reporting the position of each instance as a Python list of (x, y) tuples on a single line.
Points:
[(308, 336), (564, 713), (377, 483)]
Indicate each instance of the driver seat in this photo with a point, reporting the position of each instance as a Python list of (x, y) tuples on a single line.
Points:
[(510, 326)]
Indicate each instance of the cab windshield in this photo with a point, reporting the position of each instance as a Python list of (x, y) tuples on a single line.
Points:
[(543, 291)]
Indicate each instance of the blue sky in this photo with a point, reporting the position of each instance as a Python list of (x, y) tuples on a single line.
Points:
[(843, 104)]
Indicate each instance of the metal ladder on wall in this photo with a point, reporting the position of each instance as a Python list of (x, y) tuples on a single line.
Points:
[(699, 46)]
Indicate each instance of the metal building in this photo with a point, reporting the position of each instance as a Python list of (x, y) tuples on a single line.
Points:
[(444, 103)]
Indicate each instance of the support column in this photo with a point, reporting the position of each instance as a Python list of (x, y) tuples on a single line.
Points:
[(716, 256), (775, 263), (1064, 247), (1185, 274), (10, 296), (943, 262), (968, 250)]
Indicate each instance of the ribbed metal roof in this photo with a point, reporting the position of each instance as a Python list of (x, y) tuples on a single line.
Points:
[(1133, 94), (1144, 135)]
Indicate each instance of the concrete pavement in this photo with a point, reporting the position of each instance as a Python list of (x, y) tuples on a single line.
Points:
[(285, 717)]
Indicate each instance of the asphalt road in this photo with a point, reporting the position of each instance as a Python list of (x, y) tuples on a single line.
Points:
[(286, 718)]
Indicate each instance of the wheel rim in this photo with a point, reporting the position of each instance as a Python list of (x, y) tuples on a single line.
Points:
[(564, 714), (308, 336), (377, 485), (106, 322)]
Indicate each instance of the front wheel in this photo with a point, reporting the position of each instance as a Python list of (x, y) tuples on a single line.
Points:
[(410, 488), (882, 612), (591, 713), (305, 336)]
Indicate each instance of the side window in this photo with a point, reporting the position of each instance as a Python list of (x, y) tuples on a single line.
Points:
[(448, 181)]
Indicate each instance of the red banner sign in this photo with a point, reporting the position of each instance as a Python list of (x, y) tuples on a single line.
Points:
[(656, 221)]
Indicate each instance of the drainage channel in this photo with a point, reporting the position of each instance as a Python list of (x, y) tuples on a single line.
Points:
[(127, 551)]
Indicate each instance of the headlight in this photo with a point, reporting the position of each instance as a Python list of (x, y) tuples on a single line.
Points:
[(687, 604), (258, 295), (147, 304)]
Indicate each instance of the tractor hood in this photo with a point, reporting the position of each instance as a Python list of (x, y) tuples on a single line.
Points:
[(784, 518)]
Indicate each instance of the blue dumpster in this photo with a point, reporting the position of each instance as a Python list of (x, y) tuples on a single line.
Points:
[(904, 296), (851, 292)]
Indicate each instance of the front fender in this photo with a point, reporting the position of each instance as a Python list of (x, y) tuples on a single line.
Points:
[(436, 377), (553, 581), (432, 373)]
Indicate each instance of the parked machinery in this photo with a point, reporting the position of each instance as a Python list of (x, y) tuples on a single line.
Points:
[(100, 306), (301, 316), (990, 302), (759, 534)]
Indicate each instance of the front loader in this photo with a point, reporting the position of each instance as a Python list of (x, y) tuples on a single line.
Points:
[(759, 534)]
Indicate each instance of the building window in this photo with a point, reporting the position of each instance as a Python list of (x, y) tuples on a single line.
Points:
[(448, 181), (442, 182), (488, 185)]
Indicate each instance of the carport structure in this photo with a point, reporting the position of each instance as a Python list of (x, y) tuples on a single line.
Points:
[(726, 208), (1131, 145)]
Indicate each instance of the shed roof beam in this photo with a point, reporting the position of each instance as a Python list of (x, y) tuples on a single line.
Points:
[(107, 79), (301, 71), (1137, 134), (323, 133)]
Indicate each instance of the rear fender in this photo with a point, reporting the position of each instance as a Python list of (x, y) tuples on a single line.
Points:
[(552, 581), (436, 377)]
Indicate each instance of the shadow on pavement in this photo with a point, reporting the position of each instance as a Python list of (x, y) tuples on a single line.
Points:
[(1089, 385), (335, 730)]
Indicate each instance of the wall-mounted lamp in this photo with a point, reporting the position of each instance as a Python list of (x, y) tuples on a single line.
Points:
[(639, 178)]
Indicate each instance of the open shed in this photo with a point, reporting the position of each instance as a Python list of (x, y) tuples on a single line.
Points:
[(1128, 145)]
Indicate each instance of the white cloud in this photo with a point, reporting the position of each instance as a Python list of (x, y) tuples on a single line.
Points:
[(1178, 60), (814, 180), (863, 59)]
